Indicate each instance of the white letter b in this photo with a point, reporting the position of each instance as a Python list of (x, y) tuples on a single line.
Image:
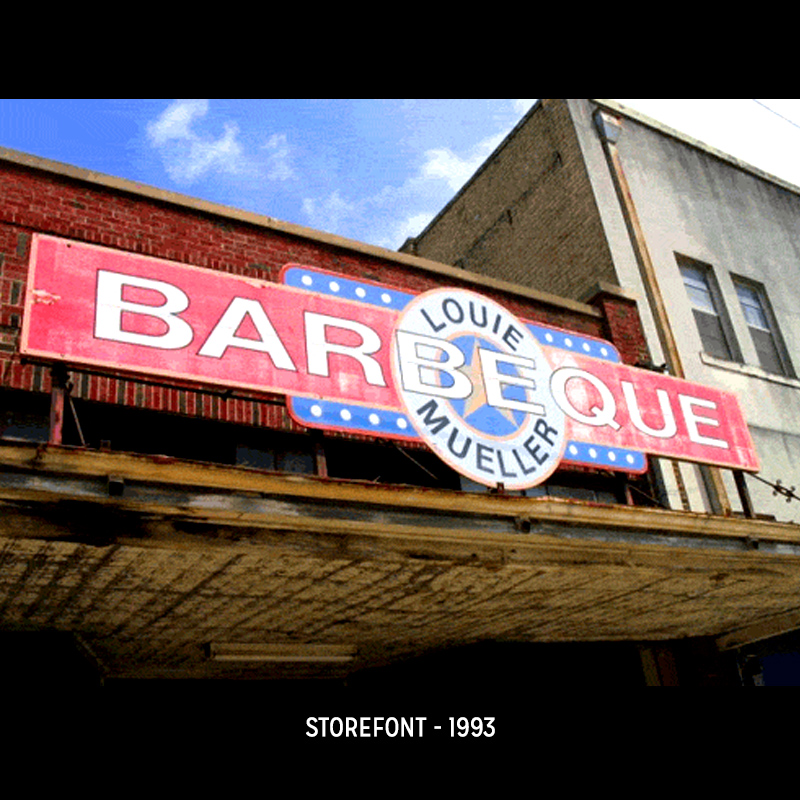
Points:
[(110, 307)]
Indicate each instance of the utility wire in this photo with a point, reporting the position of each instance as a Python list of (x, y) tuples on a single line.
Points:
[(773, 111)]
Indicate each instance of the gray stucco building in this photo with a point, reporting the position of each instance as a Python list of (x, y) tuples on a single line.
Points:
[(585, 191)]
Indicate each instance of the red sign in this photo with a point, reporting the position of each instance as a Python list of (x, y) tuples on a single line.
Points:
[(449, 366)]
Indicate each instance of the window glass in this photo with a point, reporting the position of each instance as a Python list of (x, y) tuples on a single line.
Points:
[(24, 416), (751, 305), (698, 289)]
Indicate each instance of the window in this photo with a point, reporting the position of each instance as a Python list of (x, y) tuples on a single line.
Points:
[(763, 330), (279, 454), (707, 308), (24, 416)]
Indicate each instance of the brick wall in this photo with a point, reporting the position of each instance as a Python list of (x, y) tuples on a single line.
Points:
[(622, 325), (33, 199), (528, 216)]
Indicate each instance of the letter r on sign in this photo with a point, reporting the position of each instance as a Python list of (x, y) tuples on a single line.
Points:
[(422, 370)]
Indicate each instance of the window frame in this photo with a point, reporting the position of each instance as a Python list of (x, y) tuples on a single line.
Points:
[(772, 328), (718, 306)]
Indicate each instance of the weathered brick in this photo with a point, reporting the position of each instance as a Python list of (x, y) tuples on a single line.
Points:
[(34, 200)]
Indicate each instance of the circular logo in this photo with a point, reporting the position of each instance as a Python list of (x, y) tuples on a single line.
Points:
[(475, 385)]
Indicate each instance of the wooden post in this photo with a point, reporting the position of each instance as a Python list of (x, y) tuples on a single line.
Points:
[(57, 395), (744, 494), (59, 380), (608, 126), (320, 459)]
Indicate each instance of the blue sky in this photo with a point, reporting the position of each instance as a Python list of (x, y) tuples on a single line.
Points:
[(371, 170)]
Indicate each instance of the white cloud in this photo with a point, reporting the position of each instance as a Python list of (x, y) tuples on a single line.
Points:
[(455, 170), (187, 154), (175, 122), (279, 166), (412, 226), (445, 164), (332, 213)]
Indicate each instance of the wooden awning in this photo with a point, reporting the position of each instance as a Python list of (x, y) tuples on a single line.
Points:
[(166, 568)]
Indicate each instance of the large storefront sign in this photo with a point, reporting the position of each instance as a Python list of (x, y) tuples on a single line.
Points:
[(502, 400)]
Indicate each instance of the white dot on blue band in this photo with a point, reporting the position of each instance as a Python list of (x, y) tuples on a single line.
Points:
[(553, 337), (346, 288), (601, 455)]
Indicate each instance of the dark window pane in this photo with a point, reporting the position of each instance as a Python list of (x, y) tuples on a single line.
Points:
[(767, 352), (711, 335), (297, 461), (255, 457)]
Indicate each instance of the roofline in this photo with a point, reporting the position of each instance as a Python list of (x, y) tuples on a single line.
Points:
[(103, 180), (506, 139), (617, 108)]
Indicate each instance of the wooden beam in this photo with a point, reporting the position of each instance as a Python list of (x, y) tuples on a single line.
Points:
[(764, 629), (154, 470)]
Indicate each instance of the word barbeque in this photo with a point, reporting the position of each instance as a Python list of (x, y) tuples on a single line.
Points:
[(502, 400)]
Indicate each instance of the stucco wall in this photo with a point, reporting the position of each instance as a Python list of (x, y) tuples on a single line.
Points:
[(693, 203)]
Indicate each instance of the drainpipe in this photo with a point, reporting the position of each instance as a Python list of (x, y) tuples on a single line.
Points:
[(609, 128)]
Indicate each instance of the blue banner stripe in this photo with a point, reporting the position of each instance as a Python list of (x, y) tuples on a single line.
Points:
[(347, 289), (575, 343), (353, 418), (602, 456), (365, 420)]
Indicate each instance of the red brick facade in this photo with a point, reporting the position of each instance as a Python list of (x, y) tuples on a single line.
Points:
[(40, 197)]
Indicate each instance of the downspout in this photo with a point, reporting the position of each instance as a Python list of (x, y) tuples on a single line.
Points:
[(609, 128)]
